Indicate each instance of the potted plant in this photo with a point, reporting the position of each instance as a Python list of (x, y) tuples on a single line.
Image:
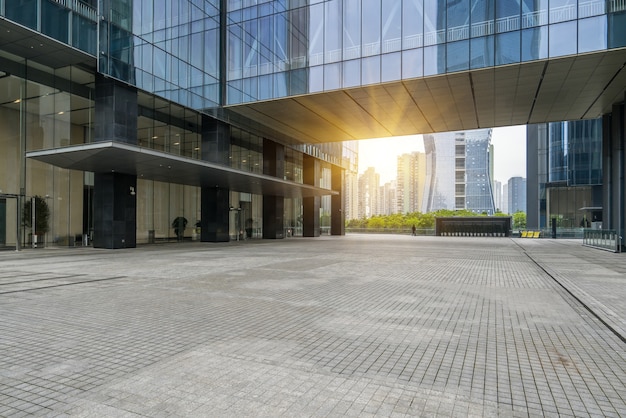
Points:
[(179, 224)]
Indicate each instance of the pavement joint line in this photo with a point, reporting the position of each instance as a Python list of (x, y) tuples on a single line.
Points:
[(572, 294), (41, 280), (61, 285)]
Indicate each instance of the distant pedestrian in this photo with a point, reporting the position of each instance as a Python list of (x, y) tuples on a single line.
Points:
[(413, 230)]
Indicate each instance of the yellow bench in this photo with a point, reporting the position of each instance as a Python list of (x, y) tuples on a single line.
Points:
[(530, 234)]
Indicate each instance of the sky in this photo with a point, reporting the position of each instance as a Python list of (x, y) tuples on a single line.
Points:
[(509, 149)]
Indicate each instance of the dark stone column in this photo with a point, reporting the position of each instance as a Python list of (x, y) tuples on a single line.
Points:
[(613, 138), (337, 214), (214, 209), (215, 141), (116, 111), (532, 176), (311, 205), (273, 215), (114, 211), (273, 206), (114, 194), (215, 202)]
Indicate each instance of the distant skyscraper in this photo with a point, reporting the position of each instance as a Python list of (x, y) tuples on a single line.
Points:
[(387, 198), (517, 195), (497, 195), (369, 184), (505, 198), (410, 182), (351, 195), (459, 171)]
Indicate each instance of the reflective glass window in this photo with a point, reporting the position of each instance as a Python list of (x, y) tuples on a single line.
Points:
[(235, 52), (508, 16), (280, 84), (458, 14), (434, 60), (482, 52), (316, 79), (370, 72), (592, 34), (563, 10), (507, 48), (266, 44), (562, 39), (457, 56), (535, 43), (316, 34), (391, 26), (591, 8), (211, 55), (332, 31), (412, 24), (281, 36), (298, 41), (617, 30), (434, 22), (250, 88), (534, 13), (234, 92), (482, 16), (391, 67), (412, 63), (84, 34), (250, 49), (24, 12), (55, 21), (351, 29), (370, 32), (298, 81), (265, 87), (332, 76), (352, 73)]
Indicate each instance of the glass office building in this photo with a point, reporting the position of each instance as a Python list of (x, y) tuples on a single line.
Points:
[(126, 115), (565, 181), (459, 172)]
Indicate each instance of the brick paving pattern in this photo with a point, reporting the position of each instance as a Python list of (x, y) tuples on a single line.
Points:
[(332, 326)]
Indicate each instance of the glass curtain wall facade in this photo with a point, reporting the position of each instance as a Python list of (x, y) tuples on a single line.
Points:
[(567, 179), (280, 48)]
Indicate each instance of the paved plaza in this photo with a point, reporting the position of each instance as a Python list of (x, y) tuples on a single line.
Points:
[(361, 325)]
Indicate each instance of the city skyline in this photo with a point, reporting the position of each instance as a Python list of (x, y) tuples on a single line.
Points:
[(382, 153)]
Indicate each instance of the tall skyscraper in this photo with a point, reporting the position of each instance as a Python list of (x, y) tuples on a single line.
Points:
[(411, 176), (517, 195), (459, 171), (497, 195)]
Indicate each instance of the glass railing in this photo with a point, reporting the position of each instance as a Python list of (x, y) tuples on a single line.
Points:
[(604, 239), (81, 8)]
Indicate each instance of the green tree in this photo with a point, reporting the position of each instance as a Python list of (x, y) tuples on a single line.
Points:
[(42, 215), (519, 220)]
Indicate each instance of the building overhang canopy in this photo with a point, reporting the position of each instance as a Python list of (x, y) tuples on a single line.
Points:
[(149, 164), (583, 86)]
